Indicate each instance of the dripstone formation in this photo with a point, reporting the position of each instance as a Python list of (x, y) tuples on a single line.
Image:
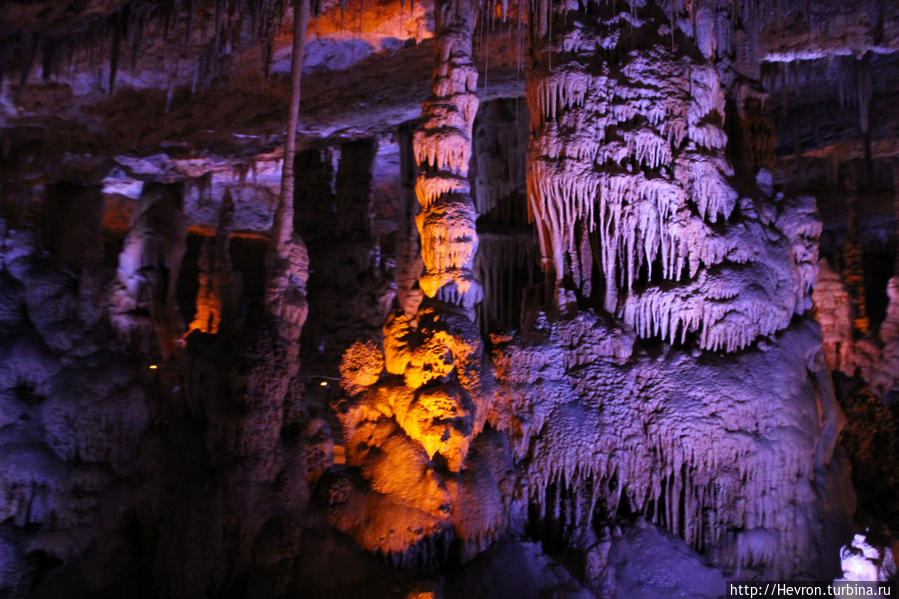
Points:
[(446, 299)]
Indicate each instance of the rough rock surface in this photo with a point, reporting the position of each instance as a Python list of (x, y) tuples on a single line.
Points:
[(73, 410), (699, 444), (682, 382)]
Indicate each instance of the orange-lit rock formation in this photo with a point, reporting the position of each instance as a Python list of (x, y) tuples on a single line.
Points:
[(214, 276), (419, 402)]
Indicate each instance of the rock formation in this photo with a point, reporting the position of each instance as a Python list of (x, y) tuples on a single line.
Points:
[(214, 279), (259, 343), (142, 299), (426, 475)]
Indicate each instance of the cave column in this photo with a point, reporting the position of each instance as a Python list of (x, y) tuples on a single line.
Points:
[(288, 261), (213, 292), (433, 415), (442, 148), (853, 267), (408, 254)]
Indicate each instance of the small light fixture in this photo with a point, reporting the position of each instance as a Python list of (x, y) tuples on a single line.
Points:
[(153, 366), (324, 383)]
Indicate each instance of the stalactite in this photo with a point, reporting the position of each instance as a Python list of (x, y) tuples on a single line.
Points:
[(442, 148), (853, 268), (115, 53), (288, 261), (248, 24), (602, 133), (862, 72)]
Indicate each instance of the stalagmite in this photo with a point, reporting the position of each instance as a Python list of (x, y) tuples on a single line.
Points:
[(414, 422), (833, 313), (853, 271), (215, 275), (142, 298)]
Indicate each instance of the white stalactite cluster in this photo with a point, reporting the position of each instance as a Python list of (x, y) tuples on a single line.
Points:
[(761, 277), (717, 452), (623, 142), (442, 148), (627, 145)]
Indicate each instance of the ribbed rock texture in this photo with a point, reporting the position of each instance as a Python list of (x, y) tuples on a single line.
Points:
[(259, 343)]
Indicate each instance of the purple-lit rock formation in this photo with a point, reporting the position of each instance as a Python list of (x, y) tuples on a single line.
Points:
[(448, 298)]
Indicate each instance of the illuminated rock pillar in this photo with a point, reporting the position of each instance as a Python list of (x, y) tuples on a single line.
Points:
[(442, 147), (418, 402), (853, 267), (627, 178), (214, 274)]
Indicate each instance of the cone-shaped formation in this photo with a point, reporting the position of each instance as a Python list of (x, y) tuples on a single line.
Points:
[(442, 147), (627, 148)]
